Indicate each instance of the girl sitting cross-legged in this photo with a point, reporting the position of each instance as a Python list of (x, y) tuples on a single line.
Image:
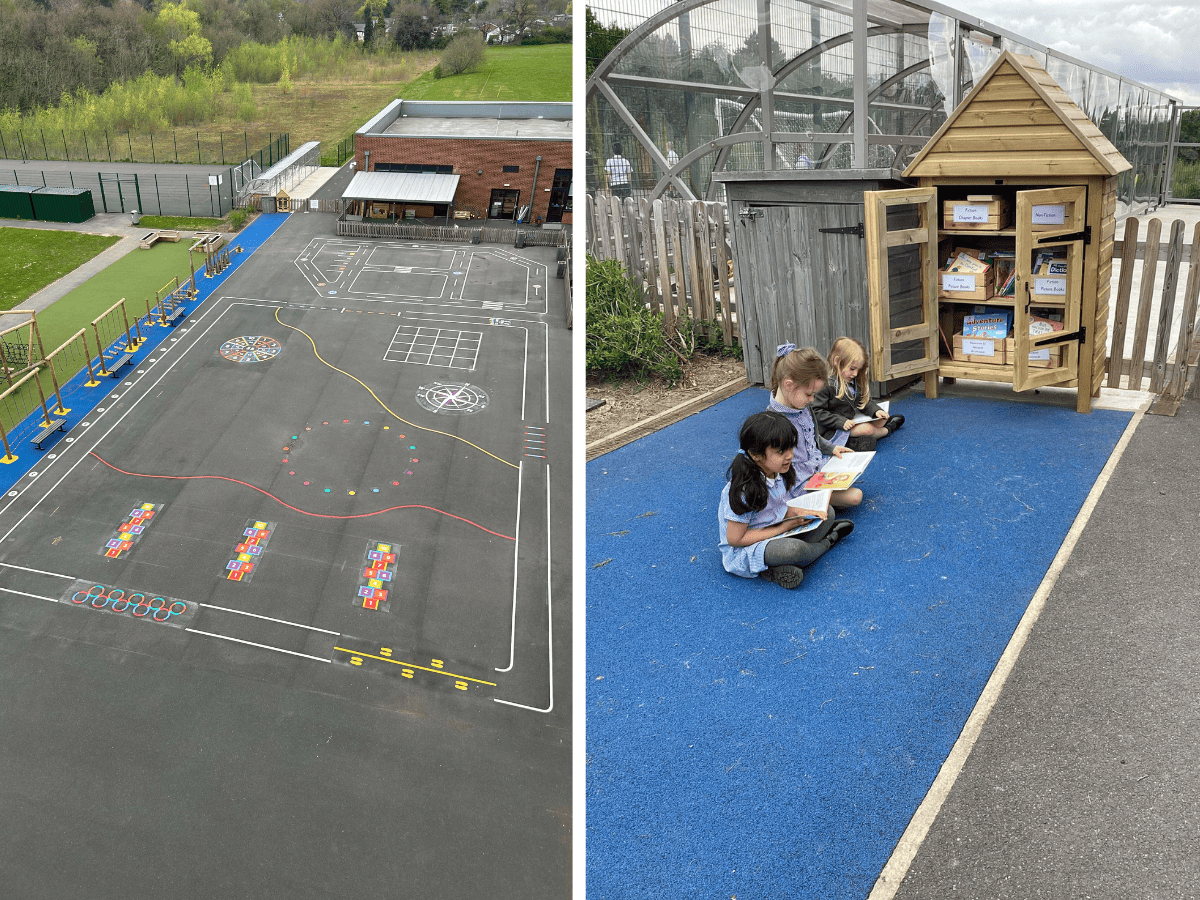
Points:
[(754, 516)]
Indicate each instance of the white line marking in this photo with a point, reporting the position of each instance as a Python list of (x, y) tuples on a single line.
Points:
[(512, 638), (549, 616), (38, 571), (34, 596), (269, 619), (224, 637), (918, 827)]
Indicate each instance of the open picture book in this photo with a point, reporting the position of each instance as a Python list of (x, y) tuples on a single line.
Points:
[(840, 472), (885, 405), (813, 502)]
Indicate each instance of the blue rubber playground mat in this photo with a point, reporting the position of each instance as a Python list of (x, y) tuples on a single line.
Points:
[(748, 741)]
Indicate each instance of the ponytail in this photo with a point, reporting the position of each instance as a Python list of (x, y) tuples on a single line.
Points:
[(747, 484)]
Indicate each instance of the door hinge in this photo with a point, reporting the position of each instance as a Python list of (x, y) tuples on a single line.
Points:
[(1085, 236), (849, 229)]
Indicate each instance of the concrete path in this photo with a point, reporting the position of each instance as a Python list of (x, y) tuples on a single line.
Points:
[(1083, 781)]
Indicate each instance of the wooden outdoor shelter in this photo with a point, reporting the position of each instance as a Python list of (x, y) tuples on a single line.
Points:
[(1038, 182)]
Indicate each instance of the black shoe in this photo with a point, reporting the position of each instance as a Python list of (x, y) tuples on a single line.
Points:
[(785, 576), (841, 528), (862, 443), (893, 423)]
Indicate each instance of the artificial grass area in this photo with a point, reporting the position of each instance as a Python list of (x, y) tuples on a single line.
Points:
[(31, 258), (135, 276), (508, 73)]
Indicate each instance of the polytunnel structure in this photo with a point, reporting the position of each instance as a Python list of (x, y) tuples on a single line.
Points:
[(697, 86)]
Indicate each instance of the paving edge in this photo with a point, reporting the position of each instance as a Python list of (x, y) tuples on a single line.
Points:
[(676, 413)]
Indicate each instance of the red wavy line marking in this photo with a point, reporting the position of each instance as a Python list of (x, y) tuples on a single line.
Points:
[(303, 512)]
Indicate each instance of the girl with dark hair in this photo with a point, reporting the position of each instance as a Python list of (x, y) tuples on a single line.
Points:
[(754, 516)]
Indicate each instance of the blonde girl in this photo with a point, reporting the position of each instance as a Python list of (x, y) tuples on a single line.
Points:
[(847, 394), (795, 379)]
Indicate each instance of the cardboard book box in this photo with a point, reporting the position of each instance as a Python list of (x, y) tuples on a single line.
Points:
[(985, 351)]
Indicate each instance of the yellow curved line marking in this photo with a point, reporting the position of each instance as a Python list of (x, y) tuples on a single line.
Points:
[(415, 666), (380, 402)]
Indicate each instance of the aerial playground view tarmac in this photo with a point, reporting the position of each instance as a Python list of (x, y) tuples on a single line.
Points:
[(286, 607)]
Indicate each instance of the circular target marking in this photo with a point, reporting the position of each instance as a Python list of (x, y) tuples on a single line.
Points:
[(251, 348), (452, 398)]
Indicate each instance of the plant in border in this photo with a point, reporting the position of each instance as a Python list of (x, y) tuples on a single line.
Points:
[(623, 336)]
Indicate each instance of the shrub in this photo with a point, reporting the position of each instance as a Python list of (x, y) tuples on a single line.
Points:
[(623, 336), (464, 54), (238, 218)]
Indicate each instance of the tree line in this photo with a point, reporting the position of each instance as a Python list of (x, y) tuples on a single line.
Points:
[(55, 48)]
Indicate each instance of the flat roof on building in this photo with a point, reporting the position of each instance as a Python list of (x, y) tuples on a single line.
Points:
[(468, 119)]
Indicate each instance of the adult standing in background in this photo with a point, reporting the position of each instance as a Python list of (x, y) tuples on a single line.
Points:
[(619, 174)]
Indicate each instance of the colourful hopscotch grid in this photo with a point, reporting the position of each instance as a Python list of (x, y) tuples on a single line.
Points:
[(247, 554), (375, 583), (131, 530)]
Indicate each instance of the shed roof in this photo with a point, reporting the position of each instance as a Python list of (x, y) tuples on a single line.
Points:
[(1017, 121), (406, 187)]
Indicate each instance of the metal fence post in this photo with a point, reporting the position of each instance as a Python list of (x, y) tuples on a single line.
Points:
[(152, 157), (175, 141), (66, 152), (129, 139)]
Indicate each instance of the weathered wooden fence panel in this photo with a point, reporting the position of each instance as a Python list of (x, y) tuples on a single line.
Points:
[(678, 250)]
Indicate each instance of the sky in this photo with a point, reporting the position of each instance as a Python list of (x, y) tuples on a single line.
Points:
[(1154, 43)]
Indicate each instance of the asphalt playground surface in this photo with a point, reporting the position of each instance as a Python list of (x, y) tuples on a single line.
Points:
[(335, 657)]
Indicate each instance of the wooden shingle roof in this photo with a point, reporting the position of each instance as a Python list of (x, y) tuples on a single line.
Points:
[(1017, 121)]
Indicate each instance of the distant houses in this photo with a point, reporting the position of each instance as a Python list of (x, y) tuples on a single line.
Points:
[(493, 32)]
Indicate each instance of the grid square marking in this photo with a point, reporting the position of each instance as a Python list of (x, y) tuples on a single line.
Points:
[(442, 347)]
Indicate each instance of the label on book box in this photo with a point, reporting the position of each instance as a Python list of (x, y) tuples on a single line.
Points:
[(1050, 286), (969, 213), (978, 347), (951, 282), (1049, 214)]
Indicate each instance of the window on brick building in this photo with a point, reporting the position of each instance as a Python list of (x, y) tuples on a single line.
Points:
[(513, 169)]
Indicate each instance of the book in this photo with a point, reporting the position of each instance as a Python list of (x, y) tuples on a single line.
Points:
[(885, 405), (816, 501), (840, 472), (995, 325)]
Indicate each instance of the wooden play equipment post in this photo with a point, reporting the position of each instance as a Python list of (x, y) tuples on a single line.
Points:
[(61, 410), (9, 456)]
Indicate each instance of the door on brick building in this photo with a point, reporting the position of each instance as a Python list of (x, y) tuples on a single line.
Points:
[(560, 195), (503, 204)]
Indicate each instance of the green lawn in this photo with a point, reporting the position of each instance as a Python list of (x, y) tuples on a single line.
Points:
[(508, 73), (31, 258), (181, 223)]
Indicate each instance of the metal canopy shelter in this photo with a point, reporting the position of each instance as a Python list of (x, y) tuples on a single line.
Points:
[(700, 86), (404, 187)]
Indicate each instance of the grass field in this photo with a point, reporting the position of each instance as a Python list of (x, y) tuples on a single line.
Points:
[(31, 258), (508, 73), (332, 111)]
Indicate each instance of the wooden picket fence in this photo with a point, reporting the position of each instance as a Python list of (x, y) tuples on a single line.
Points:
[(680, 251), (1165, 362), (535, 237)]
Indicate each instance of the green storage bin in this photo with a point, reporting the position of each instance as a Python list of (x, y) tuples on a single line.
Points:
[(16, 202), (62, 204)]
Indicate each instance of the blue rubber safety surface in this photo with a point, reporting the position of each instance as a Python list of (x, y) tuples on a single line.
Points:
[(80, 400), (745, 740)]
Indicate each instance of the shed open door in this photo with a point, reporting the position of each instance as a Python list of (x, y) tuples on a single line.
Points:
[(902, 247), (1047, 330)]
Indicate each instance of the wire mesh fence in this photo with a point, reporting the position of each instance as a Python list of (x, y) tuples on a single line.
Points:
[(189, 194), (220, 148)]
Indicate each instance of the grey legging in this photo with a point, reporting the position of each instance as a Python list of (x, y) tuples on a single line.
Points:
[(799, 551)]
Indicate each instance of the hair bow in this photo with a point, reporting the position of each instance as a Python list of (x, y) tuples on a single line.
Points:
[(784, 349)]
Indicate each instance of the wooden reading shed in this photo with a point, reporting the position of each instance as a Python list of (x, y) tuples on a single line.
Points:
[(1021, 180)]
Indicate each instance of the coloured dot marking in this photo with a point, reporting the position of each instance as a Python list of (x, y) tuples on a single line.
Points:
[(345, 421), (351, 493), (295, 437), (395, 482), (308, 482), (327, 490), (387, 427), (308, 429), (412, 447), (409, 472), (285, 459), (374, 490)]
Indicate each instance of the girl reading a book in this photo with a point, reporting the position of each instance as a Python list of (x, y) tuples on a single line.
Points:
[(754, 515), (796, 378), (847, 395)]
